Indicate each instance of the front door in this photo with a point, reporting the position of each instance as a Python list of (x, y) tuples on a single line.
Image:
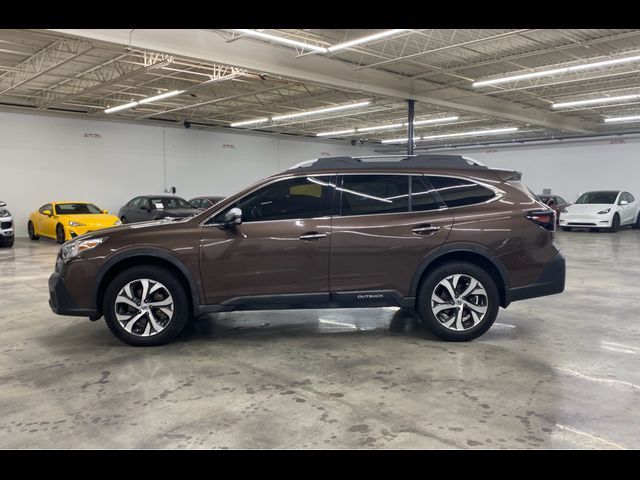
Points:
[(385, 227), (279, 252)]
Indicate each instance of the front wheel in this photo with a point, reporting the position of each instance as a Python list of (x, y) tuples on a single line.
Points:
[(123, 220), (146, 306), (32, 232), (458, 301), (615, 224), (7, 243), (60, 235), (566, 229), (636, 225)]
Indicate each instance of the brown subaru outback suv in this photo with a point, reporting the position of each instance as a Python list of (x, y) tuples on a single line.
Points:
[(443, 235)]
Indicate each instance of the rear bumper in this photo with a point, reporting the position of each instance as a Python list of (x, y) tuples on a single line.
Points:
[(61, 301), (550, 282)]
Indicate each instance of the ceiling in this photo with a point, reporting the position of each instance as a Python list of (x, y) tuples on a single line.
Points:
[(230, 77)]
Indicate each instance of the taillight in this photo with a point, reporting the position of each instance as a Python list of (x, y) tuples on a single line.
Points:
[(545, 218)]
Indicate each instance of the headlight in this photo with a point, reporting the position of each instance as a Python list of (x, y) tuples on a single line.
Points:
[(76, 224), (74, 248), (604, 212), (565, 211), (4, 213), (117, 222)]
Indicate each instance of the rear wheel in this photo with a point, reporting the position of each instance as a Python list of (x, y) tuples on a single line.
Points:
[(146, 306), (32, 232), (60, 235), (615, 224), (636, 225), (458, 301)]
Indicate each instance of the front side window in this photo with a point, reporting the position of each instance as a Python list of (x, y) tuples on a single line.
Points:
[(422, 196), (374, 194), (293, 198), (77, 209), (46, 207), (456, 192)]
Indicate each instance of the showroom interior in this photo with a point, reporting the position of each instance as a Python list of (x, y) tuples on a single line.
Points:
[(107, 115)]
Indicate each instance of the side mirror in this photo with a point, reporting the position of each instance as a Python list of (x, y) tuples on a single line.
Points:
[(232, 218), (624, 202), (47, 213), (105, 211)]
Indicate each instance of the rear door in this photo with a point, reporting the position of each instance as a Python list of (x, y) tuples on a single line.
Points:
[(383, 227)]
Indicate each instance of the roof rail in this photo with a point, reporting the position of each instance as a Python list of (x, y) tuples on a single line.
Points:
[(397, 161)]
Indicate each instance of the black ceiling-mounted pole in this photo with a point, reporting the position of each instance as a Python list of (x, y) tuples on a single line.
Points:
[(410, 127)]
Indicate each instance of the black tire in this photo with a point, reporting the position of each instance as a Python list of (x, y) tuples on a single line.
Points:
[(566, 229), (429, 285), (60, 234), (123, 220), (181, 310), (615, 224), (636, 225), (7, 243), (32, 232)]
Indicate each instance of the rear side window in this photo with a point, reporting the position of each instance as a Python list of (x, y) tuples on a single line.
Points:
[(372, 194), (456, 192)]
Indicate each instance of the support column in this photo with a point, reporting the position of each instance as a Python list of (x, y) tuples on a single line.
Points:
[(410, 126)]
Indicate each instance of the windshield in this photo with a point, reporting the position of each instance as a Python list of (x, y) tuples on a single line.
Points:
[(168, 203), (76, 209), (607, 198)]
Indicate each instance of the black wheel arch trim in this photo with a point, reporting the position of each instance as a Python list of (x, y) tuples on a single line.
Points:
[(457, 248), (145, 252)]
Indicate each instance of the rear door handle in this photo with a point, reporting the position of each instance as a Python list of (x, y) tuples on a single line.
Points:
[(312, 236), (426, 230)]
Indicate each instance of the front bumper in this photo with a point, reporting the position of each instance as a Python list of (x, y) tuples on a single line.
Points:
[(6, 228), (586, 221), (61, 301), (550, 282)]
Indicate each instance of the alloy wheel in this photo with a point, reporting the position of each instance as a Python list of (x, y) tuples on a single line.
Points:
[(144, 307), (459, 302)]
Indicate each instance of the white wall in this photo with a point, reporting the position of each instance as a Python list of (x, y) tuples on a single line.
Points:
[(49, 158), (569, 169)]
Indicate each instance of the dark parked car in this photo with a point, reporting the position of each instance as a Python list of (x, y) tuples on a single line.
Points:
[(202, 203), (554, 201), (442, 234), (155, 207)]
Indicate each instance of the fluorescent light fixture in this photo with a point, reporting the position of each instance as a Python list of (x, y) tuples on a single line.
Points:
[(162, 96), (322, 110), (249, 122), (338, 132), (120, 107), (633, 118), (556, 71), (382, 127), (285, 41), (495, 131), (595, 101), (435, 120), (367, 39), (400, 140)]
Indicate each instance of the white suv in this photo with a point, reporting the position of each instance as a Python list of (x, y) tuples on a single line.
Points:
[(606, 209), (6, 226)]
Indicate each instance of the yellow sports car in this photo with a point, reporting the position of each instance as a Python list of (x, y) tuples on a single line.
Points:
[(65, 220)]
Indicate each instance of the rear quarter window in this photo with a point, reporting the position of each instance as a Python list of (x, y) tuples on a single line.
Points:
[(456, 192)]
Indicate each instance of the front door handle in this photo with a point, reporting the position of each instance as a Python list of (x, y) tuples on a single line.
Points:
[(425, 230), (312, 236)]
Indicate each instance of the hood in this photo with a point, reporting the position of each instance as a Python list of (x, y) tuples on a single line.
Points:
[(131, 227), (94, 220), (588, 208)]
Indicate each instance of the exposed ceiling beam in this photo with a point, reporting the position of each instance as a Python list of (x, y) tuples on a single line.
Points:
[(276, 60)]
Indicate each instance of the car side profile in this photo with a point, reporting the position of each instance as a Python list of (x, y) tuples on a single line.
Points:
[(155, 207), (7, 235), (203, 203), (602, 210), (443, 235), (65, 220)]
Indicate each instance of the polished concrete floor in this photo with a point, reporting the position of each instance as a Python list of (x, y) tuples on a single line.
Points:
[(555, 372)]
